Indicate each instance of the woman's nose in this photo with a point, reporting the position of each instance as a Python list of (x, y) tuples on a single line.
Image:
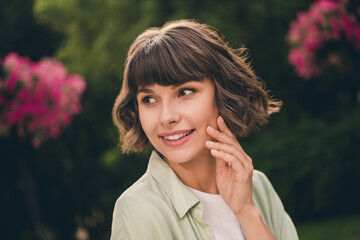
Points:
[(169, 114)]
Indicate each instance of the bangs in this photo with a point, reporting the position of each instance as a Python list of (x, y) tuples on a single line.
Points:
[(165, 61)]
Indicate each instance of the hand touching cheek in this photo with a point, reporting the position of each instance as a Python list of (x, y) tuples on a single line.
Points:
[(234, 168)]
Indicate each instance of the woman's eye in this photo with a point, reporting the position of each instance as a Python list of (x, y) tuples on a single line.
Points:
[(148, 100), (184, 92)]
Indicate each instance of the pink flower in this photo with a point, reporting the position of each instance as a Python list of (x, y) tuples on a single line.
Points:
[(313, 39), (325, 5), (45, 97), (325, 21), (297, 58)]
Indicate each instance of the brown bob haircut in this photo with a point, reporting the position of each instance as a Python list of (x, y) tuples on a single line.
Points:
[(183, 51)]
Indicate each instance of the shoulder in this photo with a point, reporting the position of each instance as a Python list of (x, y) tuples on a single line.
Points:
[(145, 201), (265, 196), (145, 192), (260, 178), (271, 207), (262, 187)]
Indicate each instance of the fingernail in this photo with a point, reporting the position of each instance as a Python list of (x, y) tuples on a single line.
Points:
[(214, 151), (211, 129), (221, 118), (209, 143)]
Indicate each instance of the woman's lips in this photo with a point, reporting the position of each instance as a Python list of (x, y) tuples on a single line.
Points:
[(176, 139)]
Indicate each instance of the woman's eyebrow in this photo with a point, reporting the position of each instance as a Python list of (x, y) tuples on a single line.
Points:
[(147, 90), (143, 90)]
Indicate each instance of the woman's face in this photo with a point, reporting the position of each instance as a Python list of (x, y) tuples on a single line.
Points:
[(174, 118)]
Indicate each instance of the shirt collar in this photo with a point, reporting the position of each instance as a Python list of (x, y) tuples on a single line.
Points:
[(181, 197)]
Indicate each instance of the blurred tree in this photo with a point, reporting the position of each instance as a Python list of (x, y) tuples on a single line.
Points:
[(313, 163), (20, 32)]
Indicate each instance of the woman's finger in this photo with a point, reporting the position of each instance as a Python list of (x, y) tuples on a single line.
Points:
[(224, 135), (230, 159), (223, 127), (227, 149), (224, 138), (219, 136)]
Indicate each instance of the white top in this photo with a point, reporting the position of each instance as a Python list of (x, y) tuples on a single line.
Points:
[(219, 216)]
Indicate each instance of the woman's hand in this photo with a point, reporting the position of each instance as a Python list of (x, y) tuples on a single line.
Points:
[(234, 169)]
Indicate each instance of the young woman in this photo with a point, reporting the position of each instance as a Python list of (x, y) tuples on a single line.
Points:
[(188, 95)]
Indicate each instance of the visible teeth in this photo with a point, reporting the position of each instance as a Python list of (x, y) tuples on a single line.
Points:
[(176, 136)]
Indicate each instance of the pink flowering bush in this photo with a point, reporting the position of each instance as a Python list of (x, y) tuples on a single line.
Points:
[(38, 99), (326, 23)]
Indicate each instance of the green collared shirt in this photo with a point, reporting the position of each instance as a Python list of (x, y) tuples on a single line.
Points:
[(160, 206)]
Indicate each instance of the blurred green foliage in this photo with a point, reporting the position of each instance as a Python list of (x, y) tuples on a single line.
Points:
[(313, 163), (346, 228), (310, 151)]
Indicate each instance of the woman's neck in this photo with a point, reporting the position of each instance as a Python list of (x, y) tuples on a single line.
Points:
[(199, 173)]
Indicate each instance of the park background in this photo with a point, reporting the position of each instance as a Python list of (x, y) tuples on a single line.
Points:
[(309, 151)]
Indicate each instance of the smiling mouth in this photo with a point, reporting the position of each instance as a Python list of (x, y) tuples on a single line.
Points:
[(177, 136)]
